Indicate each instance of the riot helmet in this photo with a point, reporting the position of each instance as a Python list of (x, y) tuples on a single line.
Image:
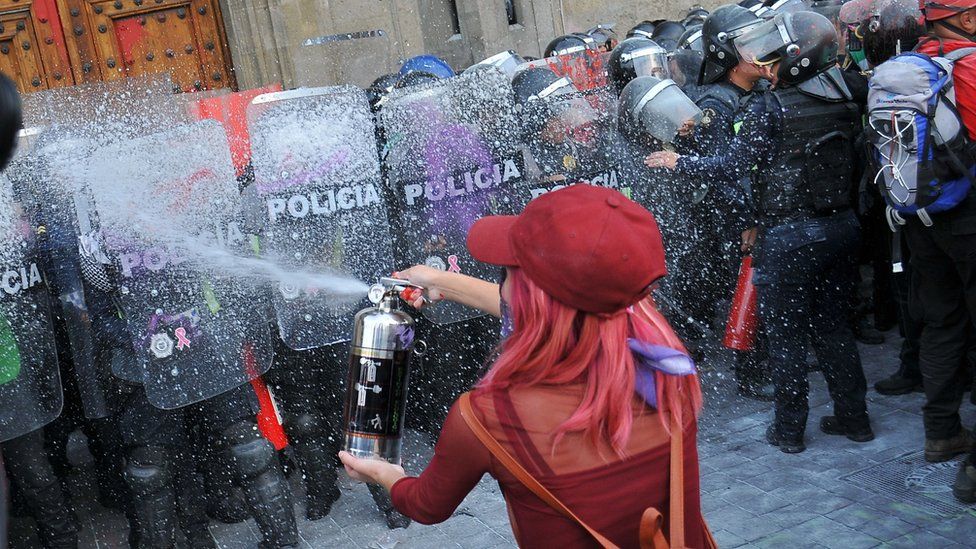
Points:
[(686, 61), (667, 34), (691, 39), (644, 29), (828, 8), (856, 18), (415, 78), (380, 89), (430, 64), (604, 36), (804, 43), (719, 33), (550, 103), (896, 30), (507, 61), (10, 119), (696, 16), (570, 43), (755, 6), (636, 57), (656, 107)]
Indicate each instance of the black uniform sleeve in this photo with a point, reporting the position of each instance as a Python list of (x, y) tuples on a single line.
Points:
[(749, 147)]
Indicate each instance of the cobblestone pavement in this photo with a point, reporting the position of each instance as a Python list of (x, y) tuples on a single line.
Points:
[(836, 494)]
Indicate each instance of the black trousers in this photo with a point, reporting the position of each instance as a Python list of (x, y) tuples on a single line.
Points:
[(805, 274), (944, 292), (142, 424), (909, 320)]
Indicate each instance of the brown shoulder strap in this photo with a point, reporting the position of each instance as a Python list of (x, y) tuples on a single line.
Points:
[(677, 502), (520, 473)]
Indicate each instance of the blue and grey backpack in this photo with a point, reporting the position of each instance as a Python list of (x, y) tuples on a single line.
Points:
[(923, 155)]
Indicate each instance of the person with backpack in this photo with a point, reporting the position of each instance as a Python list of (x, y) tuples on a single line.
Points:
[(922, 133), (586, 417), (800, 139), (888, 29)]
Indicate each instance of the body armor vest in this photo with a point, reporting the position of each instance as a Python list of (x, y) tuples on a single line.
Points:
[(813, 168)]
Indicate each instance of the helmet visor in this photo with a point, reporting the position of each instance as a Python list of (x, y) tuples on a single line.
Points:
[(649, 62), (507, 61), (561, 103), (664, 109), (761, 45)]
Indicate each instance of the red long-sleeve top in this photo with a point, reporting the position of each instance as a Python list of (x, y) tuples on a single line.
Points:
[(606, 492), (963, 76)]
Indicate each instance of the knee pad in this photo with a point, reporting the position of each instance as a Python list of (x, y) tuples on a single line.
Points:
[(252, 454), (307, 427), (147, 470)]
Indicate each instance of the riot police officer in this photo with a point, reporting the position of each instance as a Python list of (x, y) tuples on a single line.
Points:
[(800, 138), (635, 57), (722, 210), (557, 125), (30, 386)]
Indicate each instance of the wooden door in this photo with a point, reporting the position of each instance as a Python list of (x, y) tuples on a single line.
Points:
[(32, 47), (112, 39)]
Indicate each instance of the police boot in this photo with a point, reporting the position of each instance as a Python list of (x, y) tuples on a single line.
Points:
[(898, 384), (29, 467), (866, 333), (383, 502), (964, 488), (150, 478), (265, 488), (317, 454)]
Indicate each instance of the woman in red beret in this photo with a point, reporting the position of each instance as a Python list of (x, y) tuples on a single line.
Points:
[(578, 416)]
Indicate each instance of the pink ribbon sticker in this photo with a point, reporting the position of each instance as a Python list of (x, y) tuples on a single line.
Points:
[(452, 260), (182, 341)]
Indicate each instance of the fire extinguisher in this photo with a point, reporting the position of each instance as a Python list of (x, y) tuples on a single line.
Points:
[(740, 331), (379, 371)]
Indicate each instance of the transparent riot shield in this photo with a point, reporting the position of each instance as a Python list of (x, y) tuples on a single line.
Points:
[(59, 263), (587, 69), (30, 385), (570, 138), (451, 157), (322, 209), (164, 210)]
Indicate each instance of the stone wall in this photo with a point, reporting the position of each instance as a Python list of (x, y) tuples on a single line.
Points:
[(364, 39)]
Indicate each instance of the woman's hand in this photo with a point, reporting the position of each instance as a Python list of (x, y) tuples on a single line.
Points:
[(429, 279), (662, 159), (373, 471), (439, 285)]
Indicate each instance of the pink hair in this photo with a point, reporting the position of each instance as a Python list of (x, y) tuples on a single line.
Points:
[(553, 344)]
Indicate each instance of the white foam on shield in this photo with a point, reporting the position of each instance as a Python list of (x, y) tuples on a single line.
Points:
[(174, 193)]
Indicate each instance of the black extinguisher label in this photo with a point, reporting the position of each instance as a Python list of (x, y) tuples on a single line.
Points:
[(376, 394)]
